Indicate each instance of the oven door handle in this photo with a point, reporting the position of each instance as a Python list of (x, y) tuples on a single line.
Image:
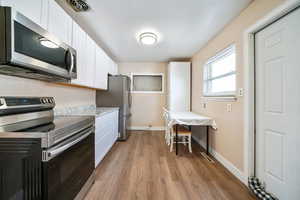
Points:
[(55, 152)]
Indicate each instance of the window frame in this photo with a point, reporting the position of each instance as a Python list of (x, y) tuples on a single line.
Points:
[(207, 78), (148, 74)]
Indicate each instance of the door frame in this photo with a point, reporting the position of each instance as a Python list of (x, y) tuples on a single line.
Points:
[(249, 79)]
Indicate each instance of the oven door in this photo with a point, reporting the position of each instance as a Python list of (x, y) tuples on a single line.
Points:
[(32, 47), (68, 166)]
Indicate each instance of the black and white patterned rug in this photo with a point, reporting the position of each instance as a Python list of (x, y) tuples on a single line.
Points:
[(258, 189)]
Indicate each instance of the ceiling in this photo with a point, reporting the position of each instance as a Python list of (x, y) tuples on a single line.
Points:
[(183, 26)]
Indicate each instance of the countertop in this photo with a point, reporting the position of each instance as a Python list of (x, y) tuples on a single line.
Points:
[(104, 110), (85, 110)]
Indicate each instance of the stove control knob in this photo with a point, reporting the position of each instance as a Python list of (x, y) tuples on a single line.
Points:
[(2, 102)]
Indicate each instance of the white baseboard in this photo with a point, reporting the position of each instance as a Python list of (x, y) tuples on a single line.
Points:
[(147, 128), (227, 164)]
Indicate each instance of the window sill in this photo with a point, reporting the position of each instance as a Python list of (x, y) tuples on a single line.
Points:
[(220, 98), (147, 92)]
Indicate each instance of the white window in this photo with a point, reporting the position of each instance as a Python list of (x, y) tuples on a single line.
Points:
[(219, 77), (147, 83)]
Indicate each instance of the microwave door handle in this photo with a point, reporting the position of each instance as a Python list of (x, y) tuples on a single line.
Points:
[(55, 152), (72, 61)]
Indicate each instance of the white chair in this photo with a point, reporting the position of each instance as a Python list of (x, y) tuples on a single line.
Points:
[(184, 134)]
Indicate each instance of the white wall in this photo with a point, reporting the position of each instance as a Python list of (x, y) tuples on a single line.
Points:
[(65, 96), (228, 140)]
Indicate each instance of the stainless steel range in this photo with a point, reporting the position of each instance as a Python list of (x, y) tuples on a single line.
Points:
[(42, 156)]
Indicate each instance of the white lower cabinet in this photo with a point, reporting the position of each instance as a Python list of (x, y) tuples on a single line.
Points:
[(106, 134)]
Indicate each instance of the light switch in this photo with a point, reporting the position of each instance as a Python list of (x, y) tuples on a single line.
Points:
[(204, 105), (229, 107)]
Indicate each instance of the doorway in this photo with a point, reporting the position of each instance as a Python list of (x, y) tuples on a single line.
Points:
[(277, 106)]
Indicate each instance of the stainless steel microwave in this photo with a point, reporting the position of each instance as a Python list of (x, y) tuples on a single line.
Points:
[(27, 50)]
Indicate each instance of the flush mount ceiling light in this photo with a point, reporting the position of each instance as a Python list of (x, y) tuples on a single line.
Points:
[(148, 38), (48, 43)]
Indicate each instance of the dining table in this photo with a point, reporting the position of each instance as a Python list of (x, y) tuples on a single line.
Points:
[(191, 119)]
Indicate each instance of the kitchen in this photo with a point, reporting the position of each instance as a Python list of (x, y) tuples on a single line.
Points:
[(89, 94)]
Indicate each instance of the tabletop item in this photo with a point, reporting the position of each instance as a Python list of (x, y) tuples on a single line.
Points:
[(191, 119)]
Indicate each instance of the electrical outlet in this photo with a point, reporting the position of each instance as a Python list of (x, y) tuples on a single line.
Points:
[(229, 107), (241, 92)]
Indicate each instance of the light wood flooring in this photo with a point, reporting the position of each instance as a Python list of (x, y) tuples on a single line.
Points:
[(142, 168)]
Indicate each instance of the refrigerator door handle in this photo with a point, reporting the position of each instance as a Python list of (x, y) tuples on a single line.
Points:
[(129, 99)]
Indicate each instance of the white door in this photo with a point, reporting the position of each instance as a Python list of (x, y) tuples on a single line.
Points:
[(278, 107)]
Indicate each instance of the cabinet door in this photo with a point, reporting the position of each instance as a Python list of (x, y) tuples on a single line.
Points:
[(179, 86), (79, 43), (101, 70), (116, 70), (106, 134), (59, 22), (113, 68), (110, 66), (115, 125), (89, 68), (30, 8)]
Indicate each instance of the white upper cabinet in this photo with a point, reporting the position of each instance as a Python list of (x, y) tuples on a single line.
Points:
[(116, 68), (101, 69), (31, 9), (59, 22), (179, 84), (79, 43), (112, 67), (93, 64), (56, 21), (89, 68)]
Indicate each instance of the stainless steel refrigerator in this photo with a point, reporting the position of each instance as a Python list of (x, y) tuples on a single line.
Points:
[(118, 95)]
